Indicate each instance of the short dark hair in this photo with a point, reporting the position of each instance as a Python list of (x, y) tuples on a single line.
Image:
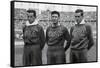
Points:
[(32, 11), (55, 12), (80, 11)]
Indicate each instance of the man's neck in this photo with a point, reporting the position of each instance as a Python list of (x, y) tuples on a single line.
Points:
[(33, 23), (54, 25), (78, 24)]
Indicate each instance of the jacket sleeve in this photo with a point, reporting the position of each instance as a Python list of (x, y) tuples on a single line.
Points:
[(71, 30), (42, 37), (89, 36), (67, 37), (23, 31), (46, 35)]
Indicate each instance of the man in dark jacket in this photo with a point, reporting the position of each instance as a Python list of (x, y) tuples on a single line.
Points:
[(34, 40), (56, 35), (81, 39)]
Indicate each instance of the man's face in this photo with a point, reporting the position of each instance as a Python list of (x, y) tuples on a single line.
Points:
[(31, 18), (78, 18), (55, 18)]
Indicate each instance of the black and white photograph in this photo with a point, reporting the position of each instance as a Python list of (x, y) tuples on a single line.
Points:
[(44, 33)]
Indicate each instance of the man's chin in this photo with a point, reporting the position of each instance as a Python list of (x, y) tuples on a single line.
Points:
[(78, 23), (31, 22)]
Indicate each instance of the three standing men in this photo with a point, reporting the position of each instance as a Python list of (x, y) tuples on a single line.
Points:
[(79, 40)]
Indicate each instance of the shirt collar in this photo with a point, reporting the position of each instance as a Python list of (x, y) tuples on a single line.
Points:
[(82, 22), (34, 23), (57, 25)]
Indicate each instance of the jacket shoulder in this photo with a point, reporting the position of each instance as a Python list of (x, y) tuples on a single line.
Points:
[(39, 26), (49, 27)]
